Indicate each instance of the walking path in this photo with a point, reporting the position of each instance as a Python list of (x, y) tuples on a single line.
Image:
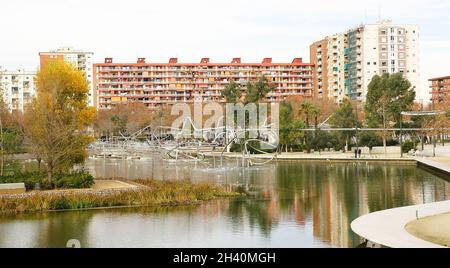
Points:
[(111, 184), (387, 227), (331, 156)]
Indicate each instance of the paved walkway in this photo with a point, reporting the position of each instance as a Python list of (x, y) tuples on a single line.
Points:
[(387, 227), (111, 184), (337, 156)]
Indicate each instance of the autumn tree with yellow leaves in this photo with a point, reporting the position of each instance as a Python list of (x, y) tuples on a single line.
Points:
[(57, 119)]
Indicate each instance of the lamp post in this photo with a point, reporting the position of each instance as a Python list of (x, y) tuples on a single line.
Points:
[(356, 128), (401, 135)]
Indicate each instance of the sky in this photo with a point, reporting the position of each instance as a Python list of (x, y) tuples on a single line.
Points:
[(220, 30)]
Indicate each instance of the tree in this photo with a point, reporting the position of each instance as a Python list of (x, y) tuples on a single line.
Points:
[(232, 92), (56, 121), (285, 119), (11, 133), (344, 117), (306, 108), (369, 139), (123, 118), (257, 91), (290, 128), (388, 95), (315, 112), (322, 139)]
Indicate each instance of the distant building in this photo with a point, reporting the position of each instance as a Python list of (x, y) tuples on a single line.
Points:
[(328, 57), (156, 84), (17, 88), (363, 52), (82, 60), (440, 89)]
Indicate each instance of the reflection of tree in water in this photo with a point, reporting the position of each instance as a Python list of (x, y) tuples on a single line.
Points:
[(259, 208), (390, 186), (67, 225), (75, 224), (330, 194)]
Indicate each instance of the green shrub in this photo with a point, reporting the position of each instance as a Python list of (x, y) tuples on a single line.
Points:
[(75, 180), (408, 146), (391, 142), (79, 179)]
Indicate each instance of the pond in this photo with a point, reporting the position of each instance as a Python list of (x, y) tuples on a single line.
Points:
[(291, 204)]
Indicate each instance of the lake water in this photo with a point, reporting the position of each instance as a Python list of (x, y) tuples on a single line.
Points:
[(291, 204)]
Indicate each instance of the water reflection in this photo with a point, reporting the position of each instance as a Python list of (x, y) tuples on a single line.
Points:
[(292, 204)]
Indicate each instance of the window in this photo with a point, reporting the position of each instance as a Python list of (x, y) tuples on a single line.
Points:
[(368, 63), (392, 38), (374, 63)]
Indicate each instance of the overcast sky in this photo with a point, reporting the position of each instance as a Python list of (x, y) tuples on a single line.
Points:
[(220, 30)]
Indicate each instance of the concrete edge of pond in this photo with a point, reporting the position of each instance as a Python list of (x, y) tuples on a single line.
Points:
[(441, 169), (387, 227)]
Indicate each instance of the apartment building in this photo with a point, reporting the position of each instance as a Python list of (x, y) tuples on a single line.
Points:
[(358, 54), (328, 57), (440, 89), (17, 88), (81, 59), (319, 57), (173, 82), (381, 48)]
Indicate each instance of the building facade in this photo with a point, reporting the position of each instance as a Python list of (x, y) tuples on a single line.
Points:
[(319, 57), (440, 89), (381, 48), (368, 50), (328, 57), (17, 88), (81, 59), (156, 84)]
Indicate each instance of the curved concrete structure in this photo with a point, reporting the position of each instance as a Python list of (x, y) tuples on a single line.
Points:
[(387, 227)]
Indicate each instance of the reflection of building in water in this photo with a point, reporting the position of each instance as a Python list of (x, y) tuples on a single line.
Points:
[(321, 197), (341, 199)]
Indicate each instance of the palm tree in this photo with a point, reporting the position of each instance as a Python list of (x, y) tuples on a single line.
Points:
[(306, 108), (315, 112)]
